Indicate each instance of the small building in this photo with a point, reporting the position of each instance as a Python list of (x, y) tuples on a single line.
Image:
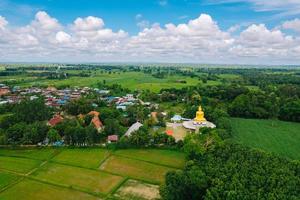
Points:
[(112, 138), (134, 127)]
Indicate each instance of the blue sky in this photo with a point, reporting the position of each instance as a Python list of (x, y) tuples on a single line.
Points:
[(223, 31), (122, 13)]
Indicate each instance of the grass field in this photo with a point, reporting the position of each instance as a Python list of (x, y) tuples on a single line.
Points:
[(85, 173), (278, 137)]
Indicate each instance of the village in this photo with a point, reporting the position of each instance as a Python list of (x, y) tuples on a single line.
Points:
[(58, 101)]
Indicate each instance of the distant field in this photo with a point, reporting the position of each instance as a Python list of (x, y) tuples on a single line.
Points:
[(282, 138), (131, 80), (84, 173)]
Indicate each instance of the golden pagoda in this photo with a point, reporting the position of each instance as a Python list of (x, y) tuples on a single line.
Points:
[(199, 116)]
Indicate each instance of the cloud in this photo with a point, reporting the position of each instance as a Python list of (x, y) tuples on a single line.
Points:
[(163, 2), (138, 16), (62, 37), (258, 41), (88, 24), (3, 22), (143, 24), (285, 7), (198, 40), (292, 25)]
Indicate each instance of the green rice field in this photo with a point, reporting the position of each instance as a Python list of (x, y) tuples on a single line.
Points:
[(84, 173)]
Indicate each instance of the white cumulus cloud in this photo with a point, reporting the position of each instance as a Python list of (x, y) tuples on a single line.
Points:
[(198, 40), (292, 25)]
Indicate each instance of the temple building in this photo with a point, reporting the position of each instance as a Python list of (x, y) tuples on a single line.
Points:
[(198, 122)]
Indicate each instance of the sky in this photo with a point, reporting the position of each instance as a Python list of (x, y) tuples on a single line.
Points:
[(173, 31)]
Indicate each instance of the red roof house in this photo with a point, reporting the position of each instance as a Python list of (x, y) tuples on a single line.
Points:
[(112, 138), (96, 121), (169, 132), (56, 119)]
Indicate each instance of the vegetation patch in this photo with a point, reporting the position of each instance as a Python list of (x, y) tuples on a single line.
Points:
[(90, 158), (89, 180), (133, 189), (274, 136), (28, 190), (20, 165), (164, 157), (135, 169)]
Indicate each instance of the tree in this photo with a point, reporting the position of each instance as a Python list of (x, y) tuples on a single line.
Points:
[(112, 127), (80, 106), (231, 171), (191, 183), (30, 111), (290, 111), (53, 136), (15, 133)]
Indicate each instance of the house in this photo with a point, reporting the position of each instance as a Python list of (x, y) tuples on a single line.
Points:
[(112, 138), (154, 116), (103, 92), (61, 102), (134, 127), (169, 132), (96, 121), (56, 119), (4, 91), (121, 107), (33, 97), (176, 118), (51, 89)]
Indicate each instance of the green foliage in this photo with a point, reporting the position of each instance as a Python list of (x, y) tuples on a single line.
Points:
[(191, 183), (30, 111), (255, 105), (21, 133), (234, 172), (290, 111), (80, 106), (195, 145), (53, 135), (113, 127)]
